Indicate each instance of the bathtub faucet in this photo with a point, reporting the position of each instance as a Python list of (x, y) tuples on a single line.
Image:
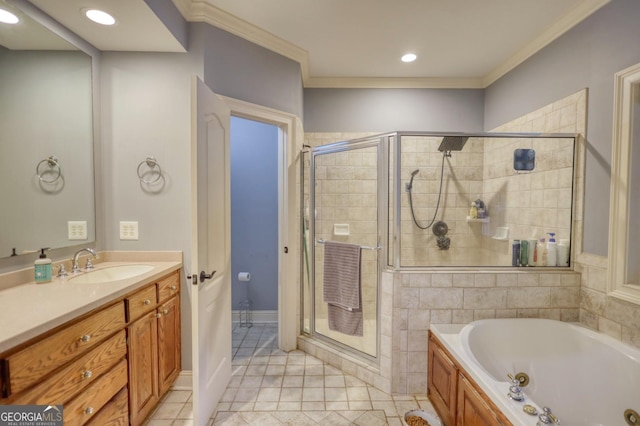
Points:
[(515, 391), (547, 417)]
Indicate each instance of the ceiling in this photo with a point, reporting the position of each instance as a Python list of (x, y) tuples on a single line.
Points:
[(354, 43)]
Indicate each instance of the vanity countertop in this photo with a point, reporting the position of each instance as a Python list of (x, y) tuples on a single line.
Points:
[(31, 309)]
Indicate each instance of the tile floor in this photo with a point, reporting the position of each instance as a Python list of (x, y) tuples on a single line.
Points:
[(271, 387)]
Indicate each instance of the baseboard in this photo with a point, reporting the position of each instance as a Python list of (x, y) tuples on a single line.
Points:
[(184, 381), (259, 317)]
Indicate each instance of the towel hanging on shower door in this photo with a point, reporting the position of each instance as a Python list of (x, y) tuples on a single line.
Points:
[(342, 287)]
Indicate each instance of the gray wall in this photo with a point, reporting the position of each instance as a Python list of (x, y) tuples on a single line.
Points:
[(146, 111), (254, 213), (587, 56), (385, 110), (242, 70)]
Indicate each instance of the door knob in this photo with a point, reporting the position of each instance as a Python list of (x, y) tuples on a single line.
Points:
[(204, 276)]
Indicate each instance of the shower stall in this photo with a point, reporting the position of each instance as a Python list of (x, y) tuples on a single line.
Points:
[(406, 199)]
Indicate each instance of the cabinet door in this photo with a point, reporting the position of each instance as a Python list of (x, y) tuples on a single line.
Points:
[(169, 364), (442, 382), (143, 367), (472, 410)]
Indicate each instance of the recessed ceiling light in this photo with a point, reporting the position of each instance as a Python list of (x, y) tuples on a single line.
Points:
[(409, 57), (100, 17), (8, 17)]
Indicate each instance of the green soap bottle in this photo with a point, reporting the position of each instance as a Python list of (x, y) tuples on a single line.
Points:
[(42, 268)]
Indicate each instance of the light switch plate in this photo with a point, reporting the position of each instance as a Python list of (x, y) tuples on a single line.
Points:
[(77, 229), (128, 230)]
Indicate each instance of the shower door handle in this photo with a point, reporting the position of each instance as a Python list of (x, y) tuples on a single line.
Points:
[(204, 276)]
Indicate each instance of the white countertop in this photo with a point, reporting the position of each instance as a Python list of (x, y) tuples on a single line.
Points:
[(30, 309)]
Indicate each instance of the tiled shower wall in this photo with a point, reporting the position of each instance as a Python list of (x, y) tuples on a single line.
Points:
[(529, 204), (461, 184)]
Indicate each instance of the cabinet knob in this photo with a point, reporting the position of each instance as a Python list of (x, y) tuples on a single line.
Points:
[(85, 338), (173, 287), (158, 315), (89, 410), (147, 302), (165, 311), (87, 374)]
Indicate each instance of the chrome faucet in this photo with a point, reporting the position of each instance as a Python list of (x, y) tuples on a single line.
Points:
[(515, 391), (547, 417), (75, 269)]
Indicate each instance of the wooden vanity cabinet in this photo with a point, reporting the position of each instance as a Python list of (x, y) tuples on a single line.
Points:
[(80, 365), (143, 367), (154, 344), (456, 398), (472, 408), (442, 382), (110, 366)]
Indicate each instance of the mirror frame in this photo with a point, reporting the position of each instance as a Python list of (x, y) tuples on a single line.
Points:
[(627, 83)]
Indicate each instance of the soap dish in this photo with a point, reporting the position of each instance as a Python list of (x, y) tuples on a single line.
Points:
[(502, 233)]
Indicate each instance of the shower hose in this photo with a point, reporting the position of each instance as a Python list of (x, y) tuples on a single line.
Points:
[(433, 219)]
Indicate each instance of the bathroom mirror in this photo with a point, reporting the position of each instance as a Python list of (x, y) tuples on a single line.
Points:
[(46, 143)]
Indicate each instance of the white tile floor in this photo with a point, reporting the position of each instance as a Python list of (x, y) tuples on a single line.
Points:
[(271, 387)]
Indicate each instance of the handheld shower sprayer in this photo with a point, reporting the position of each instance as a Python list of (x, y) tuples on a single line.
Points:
[(409, 186)]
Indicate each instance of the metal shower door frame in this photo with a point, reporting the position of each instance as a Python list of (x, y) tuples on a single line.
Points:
[(381, 142)]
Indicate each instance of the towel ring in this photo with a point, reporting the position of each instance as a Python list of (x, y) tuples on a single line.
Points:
[(152, 163), (53, 164)]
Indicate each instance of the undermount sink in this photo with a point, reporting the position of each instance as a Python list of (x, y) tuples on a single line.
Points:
[(111, 273)]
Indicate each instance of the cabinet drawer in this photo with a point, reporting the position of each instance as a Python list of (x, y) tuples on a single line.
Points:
[(115, 413), (168, 287), (84, 407), (64, 385), (141, 302), (29, 365)]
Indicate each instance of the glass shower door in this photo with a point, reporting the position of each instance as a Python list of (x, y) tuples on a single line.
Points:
[(345, 201)]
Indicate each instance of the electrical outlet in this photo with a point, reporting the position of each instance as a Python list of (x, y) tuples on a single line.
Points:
[(129, 230), (77, 229)]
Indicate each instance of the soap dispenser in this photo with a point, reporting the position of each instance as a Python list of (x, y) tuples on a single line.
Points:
[(42, 268)]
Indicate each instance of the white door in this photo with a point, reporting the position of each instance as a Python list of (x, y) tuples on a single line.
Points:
[(211, 263)]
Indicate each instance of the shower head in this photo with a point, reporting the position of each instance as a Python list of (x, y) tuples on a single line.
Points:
[(452, 143), (409, 186)]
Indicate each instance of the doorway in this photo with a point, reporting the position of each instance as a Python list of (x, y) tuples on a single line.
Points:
[(290, 136), (254, 221)]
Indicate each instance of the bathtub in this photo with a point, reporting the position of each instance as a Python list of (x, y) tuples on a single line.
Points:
[(586, 378)]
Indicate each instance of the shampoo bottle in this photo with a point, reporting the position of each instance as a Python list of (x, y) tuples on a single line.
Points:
[(552, 250), (42, 267), (563, 252), (541, 253), (473, 211)]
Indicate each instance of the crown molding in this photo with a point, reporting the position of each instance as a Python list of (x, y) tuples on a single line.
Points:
[(558, 28), (393, 83), (203, 11)]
